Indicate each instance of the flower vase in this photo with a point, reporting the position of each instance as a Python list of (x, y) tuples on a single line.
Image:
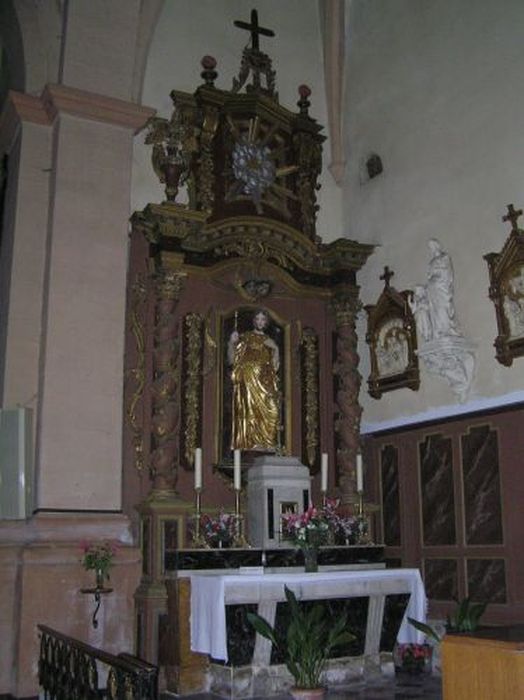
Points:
[(100, 577), (310, 559)]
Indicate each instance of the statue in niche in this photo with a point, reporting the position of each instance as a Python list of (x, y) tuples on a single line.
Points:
[(442, 346), (255, 361)]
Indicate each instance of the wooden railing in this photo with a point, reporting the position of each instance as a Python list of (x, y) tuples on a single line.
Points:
[(72, 670)]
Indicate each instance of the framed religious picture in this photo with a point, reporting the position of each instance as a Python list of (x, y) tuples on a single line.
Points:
[(253, 387), (506, 290), (392, 340)]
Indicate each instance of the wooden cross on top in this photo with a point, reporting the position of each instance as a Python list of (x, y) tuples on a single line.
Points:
[(255, 30), (512, 215), (388, 274)]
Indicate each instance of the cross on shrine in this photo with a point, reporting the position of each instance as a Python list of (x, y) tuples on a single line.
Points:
[(388, 274), (255, 29), (512, 215)]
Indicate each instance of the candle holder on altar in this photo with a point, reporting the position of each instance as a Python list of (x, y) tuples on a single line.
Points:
[(198, 541), (363, 525), (239, 539)]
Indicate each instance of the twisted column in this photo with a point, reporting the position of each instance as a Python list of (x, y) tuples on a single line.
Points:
[(165, 422), (345, 306)]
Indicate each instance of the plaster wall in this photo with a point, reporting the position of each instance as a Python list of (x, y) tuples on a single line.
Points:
[(431, 89), (186, 31), (99, 56)]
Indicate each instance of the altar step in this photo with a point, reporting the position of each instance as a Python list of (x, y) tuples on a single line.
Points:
[(394, 688)]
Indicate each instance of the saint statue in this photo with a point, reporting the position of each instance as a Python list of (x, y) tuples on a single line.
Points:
[(255, 360), (432, 304), (440, 290)]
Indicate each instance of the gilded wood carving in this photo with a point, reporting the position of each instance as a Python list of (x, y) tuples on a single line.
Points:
[(392, 340)]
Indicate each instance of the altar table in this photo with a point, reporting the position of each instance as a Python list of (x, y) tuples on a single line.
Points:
[(210, 593)]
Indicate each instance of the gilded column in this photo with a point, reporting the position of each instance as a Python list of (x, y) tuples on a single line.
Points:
[(165, 424), (348, 410)]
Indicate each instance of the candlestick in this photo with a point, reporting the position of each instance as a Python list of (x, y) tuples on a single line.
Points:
[(236, 471), (198, 540), (198, 468), (360, 474), (324, 473)]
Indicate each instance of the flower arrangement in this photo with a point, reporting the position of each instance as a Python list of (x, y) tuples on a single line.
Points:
[(318, 526), (220, 530), (346, 529), (413, 658), (98, 557), (307, 529)]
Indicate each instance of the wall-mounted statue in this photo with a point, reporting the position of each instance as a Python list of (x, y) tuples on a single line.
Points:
[(443, 347)]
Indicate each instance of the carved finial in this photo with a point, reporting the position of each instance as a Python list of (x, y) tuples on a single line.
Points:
[(209, 73), (304, 91), (255, 30), (512, 215), (255, 61), (388, 274)]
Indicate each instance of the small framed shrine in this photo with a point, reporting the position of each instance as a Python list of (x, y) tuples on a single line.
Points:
[(506, 290), (392, 340)]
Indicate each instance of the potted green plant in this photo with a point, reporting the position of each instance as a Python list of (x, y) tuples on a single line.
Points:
[(306, 644), (466, 619)]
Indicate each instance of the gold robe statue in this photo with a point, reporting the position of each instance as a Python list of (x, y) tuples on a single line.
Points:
[(255, 359)]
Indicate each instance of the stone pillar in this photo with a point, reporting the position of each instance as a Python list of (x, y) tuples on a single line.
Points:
[(78, 452), (345, 306), (25, 137)]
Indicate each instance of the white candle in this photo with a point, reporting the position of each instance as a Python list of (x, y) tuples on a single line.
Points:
[(236, 470), (360, 474), (198, 468), (324, 473)]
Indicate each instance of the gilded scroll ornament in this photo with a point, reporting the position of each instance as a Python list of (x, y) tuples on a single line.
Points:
[(137, 373), (174, 145), (193, 347), (206, 179), (311, 394)]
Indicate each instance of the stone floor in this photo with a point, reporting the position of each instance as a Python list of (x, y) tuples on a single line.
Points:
[(396, 688)]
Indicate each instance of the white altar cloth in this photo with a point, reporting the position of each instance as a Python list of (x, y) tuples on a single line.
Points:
[(210, 593)]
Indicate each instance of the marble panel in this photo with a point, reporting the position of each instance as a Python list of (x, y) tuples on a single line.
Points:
[(480, 469), (394, 609), (487, 580), (436, 484), (390, 495), (197, 559), (440, 579)]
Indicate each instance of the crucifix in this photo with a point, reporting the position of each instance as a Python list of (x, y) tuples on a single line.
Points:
[(512, 215), (388, 274), (255, 30)]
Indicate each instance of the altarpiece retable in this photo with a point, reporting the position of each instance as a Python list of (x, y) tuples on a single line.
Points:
[(235, 238)]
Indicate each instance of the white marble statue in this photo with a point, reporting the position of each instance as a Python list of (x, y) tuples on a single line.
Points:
[(442, 345)]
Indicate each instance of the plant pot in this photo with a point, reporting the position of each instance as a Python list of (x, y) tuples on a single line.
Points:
[(413, 659), (307, 693)]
